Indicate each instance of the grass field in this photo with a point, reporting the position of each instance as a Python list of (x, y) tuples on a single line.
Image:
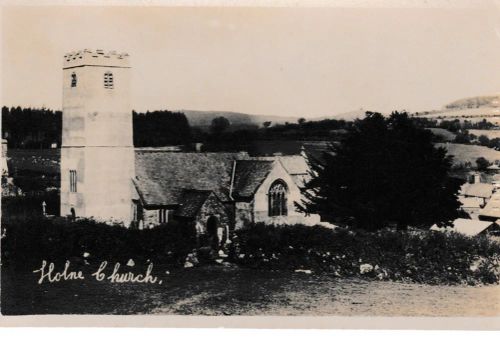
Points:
[(490, 133), (465, 153), (40, 160)]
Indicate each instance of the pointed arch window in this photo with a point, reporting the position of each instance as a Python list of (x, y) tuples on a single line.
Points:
[(278, 198), (108, 80), (73, 80)]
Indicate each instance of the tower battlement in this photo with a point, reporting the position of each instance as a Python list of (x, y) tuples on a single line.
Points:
[(97, 57)]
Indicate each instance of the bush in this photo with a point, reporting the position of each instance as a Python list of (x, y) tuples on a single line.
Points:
[(482, 164), (57, 240), (421, 256)]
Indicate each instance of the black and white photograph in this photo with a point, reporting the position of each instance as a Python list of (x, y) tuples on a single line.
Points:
[(209, 161)]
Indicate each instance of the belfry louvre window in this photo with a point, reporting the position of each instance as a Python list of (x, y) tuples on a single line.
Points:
[(73, 80), (163, 215), (72, 181), (278, 199), (108, 80)]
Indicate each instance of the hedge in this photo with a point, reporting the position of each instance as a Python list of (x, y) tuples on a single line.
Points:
[(419, 255), (59, 239)]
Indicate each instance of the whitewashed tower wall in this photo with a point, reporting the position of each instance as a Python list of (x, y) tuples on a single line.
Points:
[(97, 144)]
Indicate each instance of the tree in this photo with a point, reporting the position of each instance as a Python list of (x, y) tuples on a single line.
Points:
[(384, 172), (482, 164), (31, 127), (267, 124), (495, 143), (219, 125), (483, 140), (462, 138), (160, 128), (301, 120)]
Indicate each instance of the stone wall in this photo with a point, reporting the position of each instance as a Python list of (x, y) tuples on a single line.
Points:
[(261, 203), (150, 218), (243, 215), (212, 207), (257, 210)]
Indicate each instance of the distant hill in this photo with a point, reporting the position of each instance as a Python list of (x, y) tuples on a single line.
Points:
[(475, 102), (346, 116), (472, 108), (238, 120)]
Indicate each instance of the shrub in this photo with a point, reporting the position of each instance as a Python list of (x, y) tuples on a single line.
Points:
[(421, 256), (59, 239)]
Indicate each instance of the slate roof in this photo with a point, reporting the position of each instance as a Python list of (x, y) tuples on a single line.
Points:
[(477, 190), (492, 208), (316, 150), (162, 177), (470, 202), (191, 202), (294, 164), (249, 174), (469, 227)]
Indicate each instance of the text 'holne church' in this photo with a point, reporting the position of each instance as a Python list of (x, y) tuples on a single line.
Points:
[(105, 178)]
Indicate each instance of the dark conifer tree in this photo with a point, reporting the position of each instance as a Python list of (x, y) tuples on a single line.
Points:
[(384, 172)]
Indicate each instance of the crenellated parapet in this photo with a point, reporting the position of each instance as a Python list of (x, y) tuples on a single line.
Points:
[(96, 58)]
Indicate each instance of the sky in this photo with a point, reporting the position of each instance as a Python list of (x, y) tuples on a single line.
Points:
[(305, 62)]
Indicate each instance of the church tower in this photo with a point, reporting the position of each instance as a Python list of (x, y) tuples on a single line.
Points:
[(97, 153)]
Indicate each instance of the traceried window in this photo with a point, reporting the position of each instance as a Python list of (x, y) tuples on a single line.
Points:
[(108, 80), (162, 215), (72, 181), (73, 80), (278, 194)]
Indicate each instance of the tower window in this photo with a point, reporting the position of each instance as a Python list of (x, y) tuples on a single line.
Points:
[(73, 80), (72, 181), (277, 197), (108, 80)]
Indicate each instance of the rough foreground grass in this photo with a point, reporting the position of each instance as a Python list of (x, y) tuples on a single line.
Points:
[(218, 290)]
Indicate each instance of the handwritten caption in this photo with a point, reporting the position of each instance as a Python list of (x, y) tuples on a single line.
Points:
[(113, 274)]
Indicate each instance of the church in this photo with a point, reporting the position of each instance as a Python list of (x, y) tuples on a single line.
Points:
[(105, 178)]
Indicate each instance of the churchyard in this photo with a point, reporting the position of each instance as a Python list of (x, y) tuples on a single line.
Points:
[(220, 290)]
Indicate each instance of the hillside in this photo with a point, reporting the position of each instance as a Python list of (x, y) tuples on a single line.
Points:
[(346, 116), (473, 109), (490, 133), (240, 120), (474, 102), (464, 153), (203, 119)]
